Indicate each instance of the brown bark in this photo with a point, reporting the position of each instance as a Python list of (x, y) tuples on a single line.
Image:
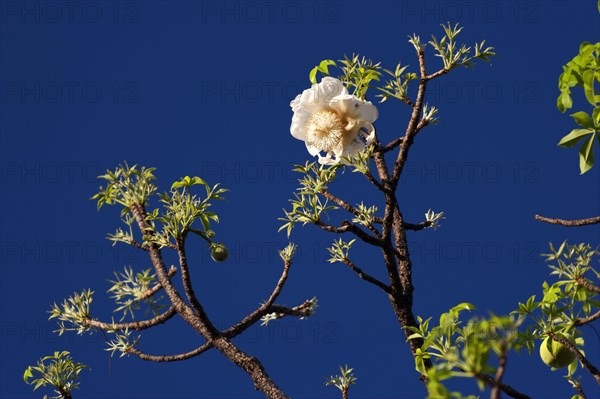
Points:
[(200, 322)]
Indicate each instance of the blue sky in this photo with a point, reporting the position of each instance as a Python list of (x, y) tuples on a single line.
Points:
[(203, 88)]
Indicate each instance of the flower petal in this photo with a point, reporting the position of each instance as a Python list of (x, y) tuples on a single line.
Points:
[(354, 107), (312, 150), (327, 160), (321, 94), (298, 127)]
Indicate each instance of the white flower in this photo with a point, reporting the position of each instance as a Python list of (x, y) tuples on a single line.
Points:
[(331, 121)]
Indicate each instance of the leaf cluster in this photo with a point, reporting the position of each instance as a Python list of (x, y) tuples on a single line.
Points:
[(307, 206), (463, 349), (582, 71), (57, 370)]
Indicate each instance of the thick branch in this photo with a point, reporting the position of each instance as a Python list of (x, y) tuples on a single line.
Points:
[(366, 276), (248, 363), (402, 300), (569, 223), (582, 359), (134, 325)]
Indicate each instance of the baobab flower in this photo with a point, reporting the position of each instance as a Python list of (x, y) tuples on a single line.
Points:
[(332, 122)]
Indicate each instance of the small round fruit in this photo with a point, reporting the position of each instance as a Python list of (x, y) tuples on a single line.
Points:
[(555, 354), (219, 253)]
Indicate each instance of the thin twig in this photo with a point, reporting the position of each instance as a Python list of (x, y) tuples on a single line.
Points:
[(434, 75), (170, 358), (579, 389), (569, 223), (587, 285), (187, 283), (253, 317), (134, 325), (495, 392), (507, 389), (345, 227), (417, 227), (345, 205), (586, 320), (366, 276), (157, 287)]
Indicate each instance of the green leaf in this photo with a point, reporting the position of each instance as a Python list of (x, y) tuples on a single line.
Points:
[(39, 383), (586, 155), (576, 135), (564, 101), (583, 119), (324, 66), (27, 375), (596, 116), (463, 306), (588, 86), (313, 75)]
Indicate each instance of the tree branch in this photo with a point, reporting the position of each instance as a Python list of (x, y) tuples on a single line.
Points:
[(157, 287), (251, 365), (411, 129), (417, 227), (434, 75), (134, 325), (507, 389), (366, 276), (589, 319), (345, 205), (350, 227), (302, 310), (579, 389), (587, 285), (171, 358), (137, 245), (582, 359), (569, 223), (393, 144), (187, 282), (253, 317), (495, 392)]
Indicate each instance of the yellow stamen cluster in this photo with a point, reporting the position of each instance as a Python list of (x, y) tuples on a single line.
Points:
[(324, 130)]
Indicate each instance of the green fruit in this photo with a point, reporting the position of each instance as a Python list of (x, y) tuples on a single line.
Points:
[(555, 354), (219, 253)]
